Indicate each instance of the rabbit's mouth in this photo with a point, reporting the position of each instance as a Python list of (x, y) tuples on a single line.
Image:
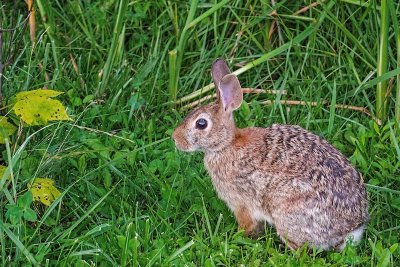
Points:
[(181, 143), (185, 149)]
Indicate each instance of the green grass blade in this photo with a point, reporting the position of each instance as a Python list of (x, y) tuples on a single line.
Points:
[(68, 231), (173, 84), (362, 3), (379, 79), (370, 60), (395, 142), (179, 50), (10, 164), (119, 25), (396, 29), (18, 243), (382, 67), (180, 251), (332, 109), (383, 189), (209, 12), (47, 15)]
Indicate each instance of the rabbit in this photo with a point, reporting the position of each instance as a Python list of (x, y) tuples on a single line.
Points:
[(283, 175)]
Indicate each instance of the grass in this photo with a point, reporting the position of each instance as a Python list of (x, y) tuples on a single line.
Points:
[(381, 89), (129, 198)]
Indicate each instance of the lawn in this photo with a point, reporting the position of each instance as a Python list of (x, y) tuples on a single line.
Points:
[(131, 70)]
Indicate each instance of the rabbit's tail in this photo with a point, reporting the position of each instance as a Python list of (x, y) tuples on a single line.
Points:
[(353, 237)]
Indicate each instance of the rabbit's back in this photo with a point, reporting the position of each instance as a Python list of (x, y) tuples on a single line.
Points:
[(294, 180)]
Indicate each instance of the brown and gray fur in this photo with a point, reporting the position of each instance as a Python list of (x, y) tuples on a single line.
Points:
[(285, 175)]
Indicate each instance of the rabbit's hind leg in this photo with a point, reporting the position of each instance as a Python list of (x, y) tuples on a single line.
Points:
[(245, 221)]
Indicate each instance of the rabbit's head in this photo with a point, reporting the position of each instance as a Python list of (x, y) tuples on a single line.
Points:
[(211, 127)]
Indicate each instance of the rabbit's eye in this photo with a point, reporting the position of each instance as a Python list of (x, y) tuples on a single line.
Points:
[(201, 124)]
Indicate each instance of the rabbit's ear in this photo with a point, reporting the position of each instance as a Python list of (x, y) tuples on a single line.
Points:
[(218, 70), (230, 92)]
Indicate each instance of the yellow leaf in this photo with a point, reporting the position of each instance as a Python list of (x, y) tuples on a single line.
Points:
[(36, 109), (43, 190), (6, 129), (2, 170), (39, 92)]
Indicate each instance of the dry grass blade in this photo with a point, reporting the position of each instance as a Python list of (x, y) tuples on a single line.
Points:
[(76, 69), (32, 21), (314, 104), (271, 30), (244, 90), (74, 65), (275, 14), (306, 8), (263, 91), (277, 25)]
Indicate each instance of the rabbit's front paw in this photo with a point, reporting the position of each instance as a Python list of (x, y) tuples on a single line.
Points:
[(246, 222)]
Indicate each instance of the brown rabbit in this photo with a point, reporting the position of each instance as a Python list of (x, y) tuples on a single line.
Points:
[(285, 175)]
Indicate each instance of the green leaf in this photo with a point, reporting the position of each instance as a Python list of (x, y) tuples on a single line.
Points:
[(393, 247), (50, 221), (122, 241), (14, 213), (37, 108), (6, 129), (30, 215), (384, 259), (25, 200), (87, 99), (98, 147), (43, 190)]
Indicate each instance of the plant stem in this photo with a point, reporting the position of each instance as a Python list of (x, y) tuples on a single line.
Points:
[(381, 88), (397, 37), (172, 75), (397, 104), (176, 55), (32, 21)]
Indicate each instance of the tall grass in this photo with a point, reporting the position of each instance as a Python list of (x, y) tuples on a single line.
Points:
[(176, 55), (114, 49), (382, 67), (128, 197)]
